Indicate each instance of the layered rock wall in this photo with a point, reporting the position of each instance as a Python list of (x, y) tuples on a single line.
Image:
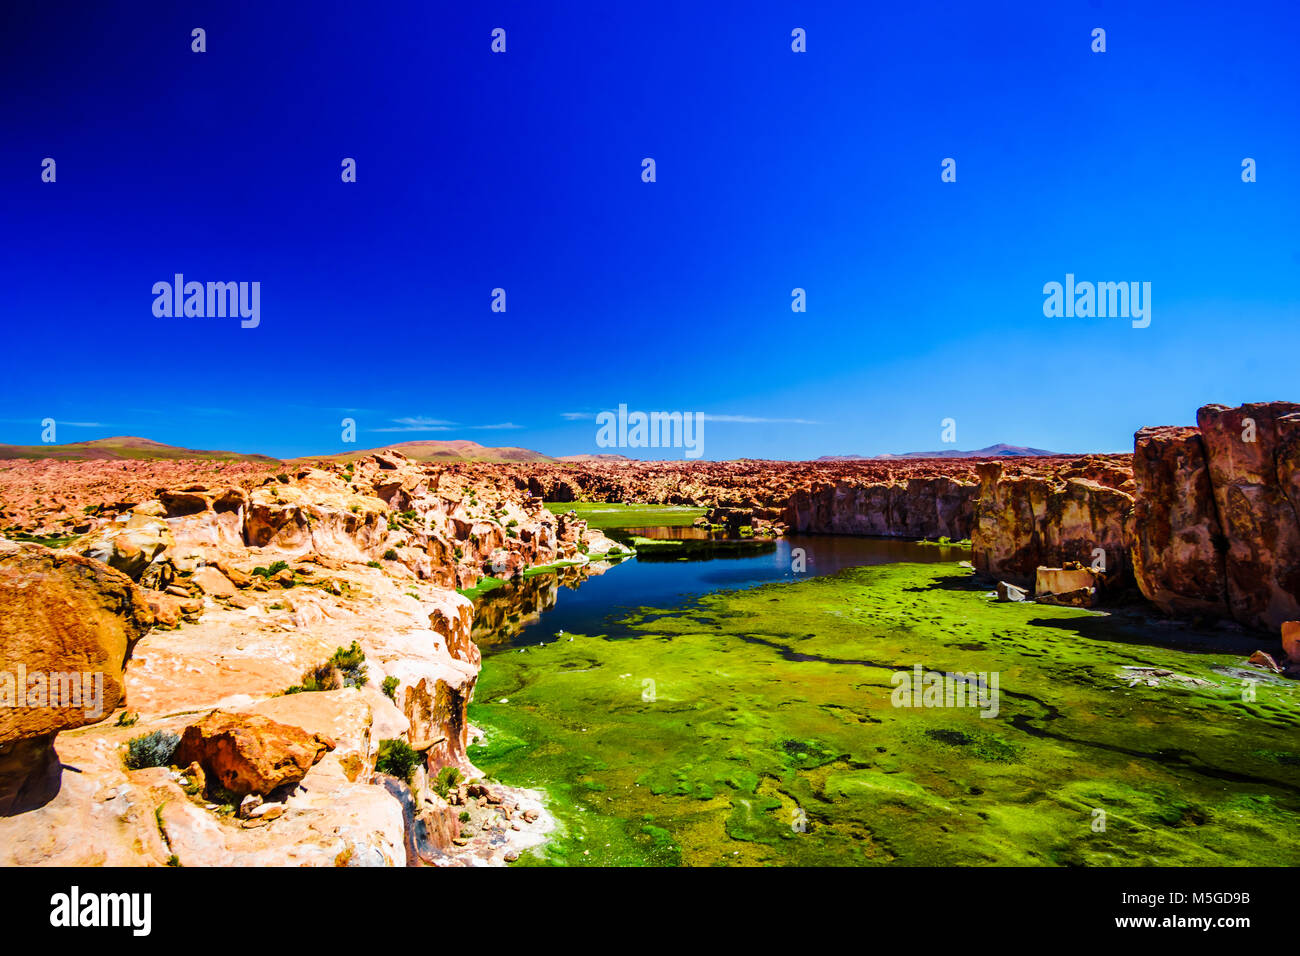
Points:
[(917, 508), (1023, 522)]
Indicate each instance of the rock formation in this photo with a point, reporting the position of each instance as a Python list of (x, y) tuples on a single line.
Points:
[(249, 753), (1178, 545), (1251, 457), (1023, 522), (67, 628), (254, 586)]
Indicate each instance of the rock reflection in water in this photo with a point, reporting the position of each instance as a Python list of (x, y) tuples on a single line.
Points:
[(502, 613)]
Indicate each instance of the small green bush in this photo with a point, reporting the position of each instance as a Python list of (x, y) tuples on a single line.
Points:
[(446, 780), (397, 759), (151, 750), (390, 555), (389, 687), (345, 668), (272, 571)]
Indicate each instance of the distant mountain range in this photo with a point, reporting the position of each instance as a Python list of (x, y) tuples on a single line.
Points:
[(122, 447), (455, 450), (993, 451), (126, 447)]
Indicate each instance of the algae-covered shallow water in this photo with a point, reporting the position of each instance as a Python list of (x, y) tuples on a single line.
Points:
[(706, 718)]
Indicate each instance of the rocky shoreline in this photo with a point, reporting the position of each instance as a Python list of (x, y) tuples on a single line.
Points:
[(222, 602)]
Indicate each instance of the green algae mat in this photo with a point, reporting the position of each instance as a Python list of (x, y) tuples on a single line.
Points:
[(760, 727)]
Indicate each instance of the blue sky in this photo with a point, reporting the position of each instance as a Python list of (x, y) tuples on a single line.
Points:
[(775, 170)]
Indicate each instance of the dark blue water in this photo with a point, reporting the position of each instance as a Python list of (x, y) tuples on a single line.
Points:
[(574, 600)]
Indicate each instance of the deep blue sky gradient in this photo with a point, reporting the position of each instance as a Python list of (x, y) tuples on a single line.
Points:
[(775, 170)]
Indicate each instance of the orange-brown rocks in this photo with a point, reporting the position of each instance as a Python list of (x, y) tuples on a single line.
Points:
[(249, 753), (1250, 456), (67, 627), (1178, 543)]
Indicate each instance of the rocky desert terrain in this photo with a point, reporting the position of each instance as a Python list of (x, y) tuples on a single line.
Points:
[(284, 650)]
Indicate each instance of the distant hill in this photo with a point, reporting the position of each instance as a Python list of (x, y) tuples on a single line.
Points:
[(595, 459), (456, 450), (993, 451), (122, 447)]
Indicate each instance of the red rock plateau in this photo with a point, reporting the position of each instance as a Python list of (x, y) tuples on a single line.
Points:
[(202, 591)]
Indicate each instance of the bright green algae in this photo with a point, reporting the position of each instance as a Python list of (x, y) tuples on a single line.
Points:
[(776, 700)]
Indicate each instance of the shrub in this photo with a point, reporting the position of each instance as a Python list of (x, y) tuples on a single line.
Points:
[(397, 759), (464, 816), (373, 564), (389, 688), (151, 750), (390, 555), (345, 668), (275, 568), (446, 780), (127, 718)]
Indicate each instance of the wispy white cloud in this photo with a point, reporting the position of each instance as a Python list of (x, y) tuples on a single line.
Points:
[(58, 422), (732, 419), (419, 423), (755, 420)]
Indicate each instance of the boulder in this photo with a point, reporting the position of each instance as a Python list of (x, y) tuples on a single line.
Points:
[(212, 582), (1291, 641), (130, 546), (1265, 660), (1078, 597), (1063, 580), (67, 627), (1009, 592), (249, 753)]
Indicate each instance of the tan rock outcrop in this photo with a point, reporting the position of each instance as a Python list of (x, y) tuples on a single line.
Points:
[(130, 544)]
